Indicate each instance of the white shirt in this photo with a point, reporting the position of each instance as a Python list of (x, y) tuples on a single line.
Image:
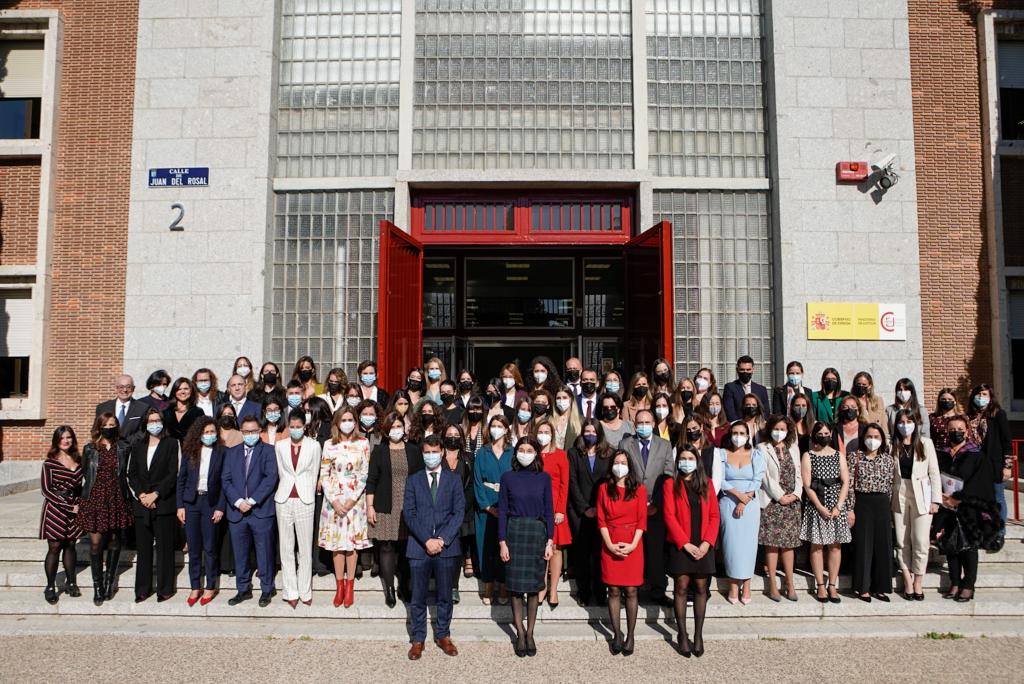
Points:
[(149, 455), (435, 470), (576, 389), (117, 407), (204, 467), (510, 398), (206, 404), (331, 404), (238, 404)]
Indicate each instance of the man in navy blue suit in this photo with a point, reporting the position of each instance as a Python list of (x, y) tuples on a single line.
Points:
[(733, 393), (587, 400), (236, 397), (433, 509), (249, 480)]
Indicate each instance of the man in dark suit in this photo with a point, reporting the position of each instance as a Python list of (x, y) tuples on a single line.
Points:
[(585, 473), (249, 480), (236, 397), (733, 393), (587, 400), (653, 460), (433, 509), (127, 410), (574, 375)]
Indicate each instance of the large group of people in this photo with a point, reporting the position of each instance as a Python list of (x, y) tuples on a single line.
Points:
[(620, 483)]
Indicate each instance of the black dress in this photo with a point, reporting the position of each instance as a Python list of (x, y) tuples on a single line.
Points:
[(680, 562)]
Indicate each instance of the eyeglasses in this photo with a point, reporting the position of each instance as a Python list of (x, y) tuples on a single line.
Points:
[(124, 387), (250, 432)]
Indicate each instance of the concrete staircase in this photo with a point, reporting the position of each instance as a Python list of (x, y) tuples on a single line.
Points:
[(1000, 592)]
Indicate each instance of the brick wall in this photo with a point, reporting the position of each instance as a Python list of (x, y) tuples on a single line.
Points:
[(86, 325), (19, 207)]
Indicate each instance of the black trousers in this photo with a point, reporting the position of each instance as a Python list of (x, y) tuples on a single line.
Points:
[(322, 563), (586, 560), (655, 580), (159, 531), (963, 569), (227, 553), (872, 544)]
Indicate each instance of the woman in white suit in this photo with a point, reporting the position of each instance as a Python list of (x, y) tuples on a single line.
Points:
[(780, 501), (918, 495), (298, 468)]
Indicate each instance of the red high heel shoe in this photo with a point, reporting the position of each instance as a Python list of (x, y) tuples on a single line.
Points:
[(339, 596), (350, 586), (192, 600), (205, 600)]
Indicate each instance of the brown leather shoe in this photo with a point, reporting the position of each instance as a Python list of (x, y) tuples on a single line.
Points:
[(416, 650), (447, 646)]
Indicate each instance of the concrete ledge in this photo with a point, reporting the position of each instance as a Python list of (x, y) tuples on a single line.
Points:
[(19, 476)]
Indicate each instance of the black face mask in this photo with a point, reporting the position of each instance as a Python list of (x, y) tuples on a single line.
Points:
[(447, 399), (452, 443), (588, 387), (693, 435), (848, 414), (414, 385), (229, 422), (956, 437), (334, 387), (609, 412), (427, 419), (494, 397), (798, 412), (639, 392), (305, 375), (830, 385), (860, 390), (540, 409), (109, 432), (465, 386), (687, 395), (662, 378), (475, 416), (822, 439), (270, 379), (572, 375), (745, 377), (750, 411), (947, 405)]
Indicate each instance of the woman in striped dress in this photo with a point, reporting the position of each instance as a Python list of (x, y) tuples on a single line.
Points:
[(61, 487)]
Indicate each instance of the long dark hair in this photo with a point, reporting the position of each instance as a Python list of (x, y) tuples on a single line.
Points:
[(97, 425), (538, 464), (145, 422), (174, 392), (55, 443), (192, 445), (699, 483), (915, 439), (988, 411), (632, 482), (319, 416), (602, 449)]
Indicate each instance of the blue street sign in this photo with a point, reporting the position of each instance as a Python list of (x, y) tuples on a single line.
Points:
[(196, 176)]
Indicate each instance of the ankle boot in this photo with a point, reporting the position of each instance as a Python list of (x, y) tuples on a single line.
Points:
[(110, 573), (339, 595), (350, 587), (96, 564)]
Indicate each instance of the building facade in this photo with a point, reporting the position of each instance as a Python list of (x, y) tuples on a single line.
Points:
[(615, 179)]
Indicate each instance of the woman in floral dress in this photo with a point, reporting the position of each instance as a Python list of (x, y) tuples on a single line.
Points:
[(343, 526)]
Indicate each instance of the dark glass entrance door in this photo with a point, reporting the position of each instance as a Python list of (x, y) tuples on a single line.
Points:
[(488, 356)]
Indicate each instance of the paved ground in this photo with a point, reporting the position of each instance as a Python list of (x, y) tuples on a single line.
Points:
[(104, 658)]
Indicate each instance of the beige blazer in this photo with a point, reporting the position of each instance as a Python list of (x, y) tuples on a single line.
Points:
[(924, 478), (771, 490), (303, 477)]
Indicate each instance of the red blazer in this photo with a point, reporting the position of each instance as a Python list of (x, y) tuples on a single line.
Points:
[(677, 515)]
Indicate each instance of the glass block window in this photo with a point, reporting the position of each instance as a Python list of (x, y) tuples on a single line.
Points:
[(325, 254), (338, 88), (523, 84), (723, 279), (705, 88)]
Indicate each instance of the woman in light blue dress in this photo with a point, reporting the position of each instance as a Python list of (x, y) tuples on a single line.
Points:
[(742, 472)]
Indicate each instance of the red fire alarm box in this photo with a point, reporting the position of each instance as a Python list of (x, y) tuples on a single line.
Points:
[(852, 171)]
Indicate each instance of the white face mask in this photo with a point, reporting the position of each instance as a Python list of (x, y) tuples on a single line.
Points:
[(620, 470), (497, 432), (347, 426), (244, 371), (701, 384), (396, 434), (525, 459), (778, 435), (872, 443), (714, 409), (353, 401), (161, 390), (540, 377), (544, 439), (562, 405), (739, 441), (661, 412), (903, 396), (509, 383), (906, 429)]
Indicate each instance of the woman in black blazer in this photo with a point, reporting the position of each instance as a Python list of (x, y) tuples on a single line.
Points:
[(793, 387), (990, 430), (590, 446), (152, 476), (391, 463), (182, 412)]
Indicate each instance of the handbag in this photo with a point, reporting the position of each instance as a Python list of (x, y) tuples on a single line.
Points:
[(949, 537)]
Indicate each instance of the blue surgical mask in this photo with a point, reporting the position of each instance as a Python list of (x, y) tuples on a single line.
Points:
[(367, 379), (295, 433), (590, 440), (273, 416), (432, 460), (433, 374), (645, 431), (294, 400), (209, 440), (524, 416), (203, 387), (686, 467), (794, 379), (154, 428), (367, 421), (980, 401), (612, 386), (250, 440)]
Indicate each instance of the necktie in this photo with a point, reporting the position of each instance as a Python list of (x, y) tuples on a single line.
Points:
[(248, 459), (120, 415), (433, 487), (590, 408), (645, 450)]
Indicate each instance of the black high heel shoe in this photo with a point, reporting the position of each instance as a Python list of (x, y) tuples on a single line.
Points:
[(684, 645), (962, 597), (520, 647), (616, 645), (50, 594), (627, 648), (698, 646), (72, 590), (820, 599), (831, 598), (531, 646)]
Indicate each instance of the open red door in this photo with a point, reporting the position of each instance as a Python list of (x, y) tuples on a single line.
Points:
[(399, 306), (650, 331)]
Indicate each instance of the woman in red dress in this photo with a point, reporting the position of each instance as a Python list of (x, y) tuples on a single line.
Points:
[(556, 465), (622, 521)]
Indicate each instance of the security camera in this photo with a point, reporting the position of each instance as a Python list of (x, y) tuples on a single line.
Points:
[(885, 168)]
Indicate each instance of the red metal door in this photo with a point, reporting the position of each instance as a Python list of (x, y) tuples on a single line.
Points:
[(649, 327), (400, 306)]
